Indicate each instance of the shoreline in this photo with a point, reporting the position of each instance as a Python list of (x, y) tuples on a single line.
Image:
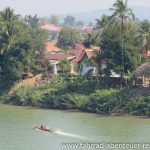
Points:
[(80, 111)]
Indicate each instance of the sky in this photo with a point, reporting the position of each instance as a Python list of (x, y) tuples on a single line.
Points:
[(49, 7)]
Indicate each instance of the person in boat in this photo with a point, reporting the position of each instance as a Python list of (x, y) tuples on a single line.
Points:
[(42, 127)]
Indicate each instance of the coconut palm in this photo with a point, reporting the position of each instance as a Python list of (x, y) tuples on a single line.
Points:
[(122, 19), (8, 22), (101, 23), (144, 34)]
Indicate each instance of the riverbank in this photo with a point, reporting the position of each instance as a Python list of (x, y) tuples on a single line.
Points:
[(78, 93)]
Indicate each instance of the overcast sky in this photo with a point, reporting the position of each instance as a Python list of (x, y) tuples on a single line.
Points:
[(48, 7)]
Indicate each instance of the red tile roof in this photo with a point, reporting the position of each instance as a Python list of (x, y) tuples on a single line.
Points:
[(89, 54), (88, 29), (76, 52), (51, 27), (79, 46), (58, 56), (51, 47), (79, 58)]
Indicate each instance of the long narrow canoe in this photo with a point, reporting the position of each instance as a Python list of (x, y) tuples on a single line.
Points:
[(44, 129)]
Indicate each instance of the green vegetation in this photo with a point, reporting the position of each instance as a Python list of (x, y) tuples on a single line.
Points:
[(69, 21), (67, 37), (81, 94), (22, 46), (22, 53), (65, 66), (55, 20)]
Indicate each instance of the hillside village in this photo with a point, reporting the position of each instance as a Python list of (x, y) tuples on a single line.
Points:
[(77, 53), (71, 65)]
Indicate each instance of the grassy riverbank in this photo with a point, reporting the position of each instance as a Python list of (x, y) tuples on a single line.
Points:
[(81, 94)]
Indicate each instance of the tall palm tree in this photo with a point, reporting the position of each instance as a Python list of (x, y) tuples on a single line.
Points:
[(33, 21), (101, 26), (144, 34), (8, 22), (122, 18)]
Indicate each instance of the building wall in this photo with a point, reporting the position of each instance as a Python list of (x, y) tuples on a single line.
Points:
[(85, 69)]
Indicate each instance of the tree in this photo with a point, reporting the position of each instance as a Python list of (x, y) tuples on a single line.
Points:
[(8, 29), (17, 61), (24, 51), (43, 20), (32, 21), (98, 58), (101, 23), (69, 21), (65, 66), (68, 36), (90, 24), (112, 50), (55, 20), (144, 34), (80, 24), (122, 18), (90, 40)]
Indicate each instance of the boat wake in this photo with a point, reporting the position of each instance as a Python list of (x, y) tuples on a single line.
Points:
[(68, 134)]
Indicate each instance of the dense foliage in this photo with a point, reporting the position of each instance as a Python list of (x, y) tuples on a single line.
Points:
[(81, 94), (68, 36), (22, 45)]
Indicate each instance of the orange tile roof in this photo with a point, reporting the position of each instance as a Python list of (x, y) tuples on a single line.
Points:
[(51, 27), (51, 47)]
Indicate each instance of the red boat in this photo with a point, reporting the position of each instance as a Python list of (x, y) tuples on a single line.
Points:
[(42, 128)]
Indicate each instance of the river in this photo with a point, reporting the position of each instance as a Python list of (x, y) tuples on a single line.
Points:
[(17, 133)]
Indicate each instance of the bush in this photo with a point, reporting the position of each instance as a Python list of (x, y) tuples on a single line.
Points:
[(139, 106), (79, 93)]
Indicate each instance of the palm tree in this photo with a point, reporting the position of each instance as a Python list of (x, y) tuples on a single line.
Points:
[(144, 34), (101, 23), (8, 22), (32, 21), (122, 18)]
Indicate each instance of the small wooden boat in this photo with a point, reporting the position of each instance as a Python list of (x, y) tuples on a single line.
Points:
[(43, 128)]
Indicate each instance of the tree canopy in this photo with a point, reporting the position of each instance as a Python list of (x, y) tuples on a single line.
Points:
[(21, 45), (69, 21), (68, 36)]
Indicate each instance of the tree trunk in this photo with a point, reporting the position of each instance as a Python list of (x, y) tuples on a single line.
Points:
[(122, 50)]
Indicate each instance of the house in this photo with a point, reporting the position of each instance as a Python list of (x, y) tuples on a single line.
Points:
[(76, 49), (86, 61), (52, 29), (54, 59), (88, 29)]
